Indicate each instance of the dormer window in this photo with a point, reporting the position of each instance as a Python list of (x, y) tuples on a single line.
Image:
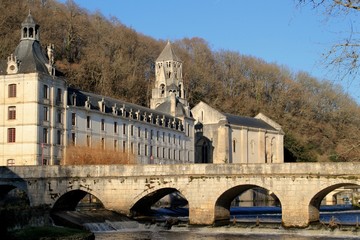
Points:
[(73, 99)]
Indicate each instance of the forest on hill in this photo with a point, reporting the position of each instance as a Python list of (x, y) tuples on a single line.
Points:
[(101, 55)]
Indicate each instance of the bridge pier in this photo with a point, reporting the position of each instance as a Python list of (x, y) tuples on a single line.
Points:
[(298, 215), (201, 216)]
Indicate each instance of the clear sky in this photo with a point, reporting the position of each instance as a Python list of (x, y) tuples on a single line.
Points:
[(277, 31)]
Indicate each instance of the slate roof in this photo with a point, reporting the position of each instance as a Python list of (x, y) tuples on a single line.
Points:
[(168, 54), (165, 107), (31, 57), (82, 97), (248, 122)]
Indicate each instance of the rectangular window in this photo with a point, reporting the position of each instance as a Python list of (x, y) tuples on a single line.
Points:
[(59, 116), (12, 112), (124, 128), (169, 153), (73, 119), (163, 138), (151, 134), (102, 125), (157, 135), (46, 91), (73, 139), (59, 96), (146, 150), (139, 149), (132, 148), (45, 135), (123, 146), (58, 137), (88, 140), (88, 122), (163, 153), (115, 127), (11, 135), (146, 133), (132, 130), (46, 114), (139, 132), (12, 90), (174, 138), (169, 135), (115, 145), (102, 143)]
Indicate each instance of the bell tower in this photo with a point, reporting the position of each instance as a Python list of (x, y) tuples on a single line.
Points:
[(30, 29), (168, 79)]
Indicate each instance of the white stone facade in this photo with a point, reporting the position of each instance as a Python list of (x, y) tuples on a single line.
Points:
[(42, 116)]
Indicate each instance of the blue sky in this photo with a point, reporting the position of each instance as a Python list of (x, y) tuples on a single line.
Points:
[(276, 31)]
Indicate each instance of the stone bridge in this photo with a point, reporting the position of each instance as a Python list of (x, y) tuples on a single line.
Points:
[(208, 188)]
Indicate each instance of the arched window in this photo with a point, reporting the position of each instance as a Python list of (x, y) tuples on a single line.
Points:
[(25, 32), (31, 32), (162, 89)]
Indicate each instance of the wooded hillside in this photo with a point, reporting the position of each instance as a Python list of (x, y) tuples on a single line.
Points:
[(320, 121)]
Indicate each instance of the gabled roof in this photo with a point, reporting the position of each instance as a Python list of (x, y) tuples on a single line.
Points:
[(248, 122), (168, 54), (165, 107)]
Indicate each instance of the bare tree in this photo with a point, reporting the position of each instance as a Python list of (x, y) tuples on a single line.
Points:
[(344, 55)]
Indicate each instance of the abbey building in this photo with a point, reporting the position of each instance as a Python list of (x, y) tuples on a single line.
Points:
[(42, 117)]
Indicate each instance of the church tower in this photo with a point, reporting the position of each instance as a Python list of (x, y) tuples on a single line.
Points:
[(168, 81)]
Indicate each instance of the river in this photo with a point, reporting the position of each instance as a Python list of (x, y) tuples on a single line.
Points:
[(260, 223)]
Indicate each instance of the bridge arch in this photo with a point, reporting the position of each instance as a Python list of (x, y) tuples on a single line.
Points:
[(143, 203), (21, 194), (223, 202), (69, 200), (315, 201)]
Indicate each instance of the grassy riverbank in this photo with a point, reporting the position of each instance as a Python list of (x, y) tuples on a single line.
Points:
[(50, 232)]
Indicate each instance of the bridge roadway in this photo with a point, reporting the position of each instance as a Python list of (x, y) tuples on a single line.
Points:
[(208, 188)]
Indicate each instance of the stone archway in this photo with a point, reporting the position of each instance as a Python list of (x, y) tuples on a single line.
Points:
[(204, 150)]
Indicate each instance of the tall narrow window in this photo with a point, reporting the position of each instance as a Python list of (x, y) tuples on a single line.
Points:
[(132, 148), (234, 145), (73, 139), (59, 116), (12, 90), (151, 134), (123, 146), (146, 133), (11, 135), (88, 122), (59, 96), (115, 127), (139, 149), (102, 124), (124, 128), (132, 130), (88, 140), (139, 132), (45, 135), (46, 114), (58, 137), (73, 119), (102, 143), (115, 145), (12, 112), (46, 91), (146, 150)]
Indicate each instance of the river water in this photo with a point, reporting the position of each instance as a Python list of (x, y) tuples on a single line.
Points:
[(243, 226)]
